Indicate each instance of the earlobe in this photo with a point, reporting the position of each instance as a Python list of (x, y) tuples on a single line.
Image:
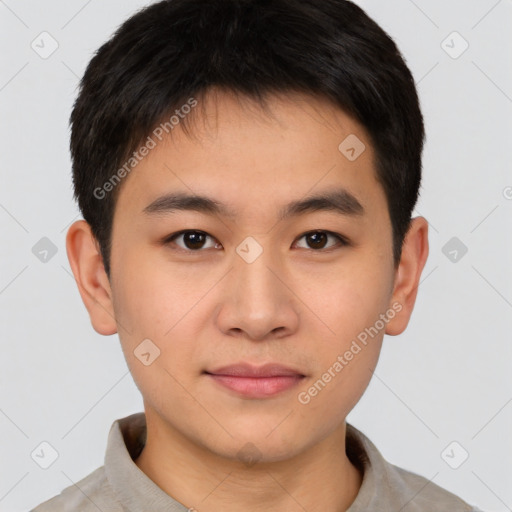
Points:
[(93, 284), (408, 274)]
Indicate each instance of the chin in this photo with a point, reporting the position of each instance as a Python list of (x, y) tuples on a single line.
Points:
[(263, 445)]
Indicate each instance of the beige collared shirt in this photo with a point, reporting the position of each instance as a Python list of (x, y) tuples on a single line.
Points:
[(120, 486)]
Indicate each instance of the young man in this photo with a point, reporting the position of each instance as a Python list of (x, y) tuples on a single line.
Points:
[(247, 172)]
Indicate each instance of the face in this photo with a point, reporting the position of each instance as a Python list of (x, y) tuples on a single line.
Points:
[(245, 278)]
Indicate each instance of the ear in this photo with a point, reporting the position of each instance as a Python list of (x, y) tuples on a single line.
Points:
[(407, 277), (93, 283)]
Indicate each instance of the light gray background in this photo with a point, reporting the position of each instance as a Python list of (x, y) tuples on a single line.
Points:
[(447, 378)]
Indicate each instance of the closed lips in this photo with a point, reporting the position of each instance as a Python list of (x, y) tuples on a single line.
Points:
[(252, 371)]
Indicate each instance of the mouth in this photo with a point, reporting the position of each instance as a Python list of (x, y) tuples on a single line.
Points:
[(256, 381)]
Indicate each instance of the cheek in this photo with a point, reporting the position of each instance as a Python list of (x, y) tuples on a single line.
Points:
[(158, 313), (351, 306), (347, 354), (150, 297), (353, 298), (329, 398)]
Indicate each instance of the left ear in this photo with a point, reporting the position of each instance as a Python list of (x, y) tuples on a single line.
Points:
[(407, 278)]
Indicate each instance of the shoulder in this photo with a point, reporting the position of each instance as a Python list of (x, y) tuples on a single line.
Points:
[(421, 495), (90, 494), (389, 487)]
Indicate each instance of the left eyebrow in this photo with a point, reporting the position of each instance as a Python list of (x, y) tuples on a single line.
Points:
[(340, 201)]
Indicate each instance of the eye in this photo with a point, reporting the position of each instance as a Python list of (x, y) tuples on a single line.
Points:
[(193, 240), (318, 239)]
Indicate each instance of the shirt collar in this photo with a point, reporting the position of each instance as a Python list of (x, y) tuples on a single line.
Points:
[(132, 487), (136, 491)]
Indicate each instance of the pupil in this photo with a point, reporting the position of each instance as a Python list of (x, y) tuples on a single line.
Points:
[(194, 240), (322, 237)]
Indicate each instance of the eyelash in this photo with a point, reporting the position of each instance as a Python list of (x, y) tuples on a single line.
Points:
[(342, 241)]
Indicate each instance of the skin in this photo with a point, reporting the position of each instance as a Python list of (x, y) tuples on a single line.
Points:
[(295, 304)]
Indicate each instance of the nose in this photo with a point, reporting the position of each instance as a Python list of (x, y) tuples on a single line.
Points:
[(258, 301)]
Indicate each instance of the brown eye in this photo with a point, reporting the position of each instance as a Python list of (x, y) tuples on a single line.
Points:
[(192, 240), (317, 240)]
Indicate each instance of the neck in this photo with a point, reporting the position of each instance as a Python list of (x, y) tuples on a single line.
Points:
[(203, 480)]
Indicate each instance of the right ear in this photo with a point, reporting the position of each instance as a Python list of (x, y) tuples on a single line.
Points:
[(92, 280)]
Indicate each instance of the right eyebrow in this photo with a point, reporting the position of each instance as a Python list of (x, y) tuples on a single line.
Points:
[(339, 200)]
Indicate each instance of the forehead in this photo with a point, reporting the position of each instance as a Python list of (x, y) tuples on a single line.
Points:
[(249, 158)]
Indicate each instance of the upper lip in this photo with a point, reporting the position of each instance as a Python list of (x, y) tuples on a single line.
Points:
[(250, 370)]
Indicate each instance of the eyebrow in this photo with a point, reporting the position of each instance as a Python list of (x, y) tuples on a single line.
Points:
[(340, 201)]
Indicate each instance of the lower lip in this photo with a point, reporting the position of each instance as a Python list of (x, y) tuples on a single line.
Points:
[(257, 387)]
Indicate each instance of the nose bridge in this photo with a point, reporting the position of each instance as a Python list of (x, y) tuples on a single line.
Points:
[(256, 302), (255, 267)]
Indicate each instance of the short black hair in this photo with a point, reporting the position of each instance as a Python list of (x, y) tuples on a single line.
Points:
[(173, 51)]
